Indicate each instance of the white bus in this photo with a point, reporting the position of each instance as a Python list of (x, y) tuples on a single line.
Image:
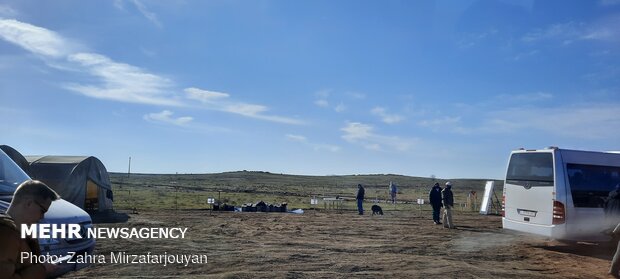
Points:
[(560, 193)]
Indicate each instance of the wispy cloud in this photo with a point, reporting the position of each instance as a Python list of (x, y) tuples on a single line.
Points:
[(323, 101), (592, 121), (526, 54), (609, 2), (322, 96), (587, 121), (340, 108), (119, 81), (220, 101), (364, 135), (114, 80), (151, 16), (205, 96), (35, 39), (318, 147), (605, 29), (6, 11), (148, 14), (166, 117), (524, 98), (473, 39), (564, 31), (386, 117), (296, 138)]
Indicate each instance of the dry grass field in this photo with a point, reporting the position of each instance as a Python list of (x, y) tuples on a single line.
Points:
[(328, 244), (403, 243)]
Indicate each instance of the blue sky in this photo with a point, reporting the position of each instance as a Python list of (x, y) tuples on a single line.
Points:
[(444, 88)]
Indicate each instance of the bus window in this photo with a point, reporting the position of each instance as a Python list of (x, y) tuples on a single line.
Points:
[(534, 169), (590, 184)]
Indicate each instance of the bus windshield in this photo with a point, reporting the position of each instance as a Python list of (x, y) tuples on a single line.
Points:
[(534, 169)]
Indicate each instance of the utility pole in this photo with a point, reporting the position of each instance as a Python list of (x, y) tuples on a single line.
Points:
[(129, 168)]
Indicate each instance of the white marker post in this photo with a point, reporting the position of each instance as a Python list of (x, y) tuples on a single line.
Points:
[(314, 201), (420, 203), (211, 201)]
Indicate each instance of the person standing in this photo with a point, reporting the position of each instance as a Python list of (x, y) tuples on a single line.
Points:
[(434, 196), (448, 204), (360, 199), (393, 190), (31, 200)]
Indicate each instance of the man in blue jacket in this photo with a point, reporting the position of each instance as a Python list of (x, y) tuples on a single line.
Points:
[(360, 199), (434, 196)]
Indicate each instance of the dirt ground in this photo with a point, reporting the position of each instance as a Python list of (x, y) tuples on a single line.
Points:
[(330, 244)]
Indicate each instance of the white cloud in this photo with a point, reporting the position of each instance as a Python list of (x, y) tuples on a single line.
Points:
[(317, 147), (119, 4), (245, 109), (355, 131), (205, 95), (386, 117), (116, 81), (340, 107), (166, 117), (584, 121), (35, 39), (363, 134), (322, 103), (149, 15), (297, 138), (605, 29), (152, 17), (528, 97), (328, 147), (221, 101), (119, 81), (473, 39), (594, 121), (525, 54)]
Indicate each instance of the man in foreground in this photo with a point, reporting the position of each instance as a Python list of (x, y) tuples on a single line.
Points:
[(30, 202)]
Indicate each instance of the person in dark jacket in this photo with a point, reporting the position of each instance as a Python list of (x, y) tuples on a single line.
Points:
[(360, 199), (434, 196), (393, 189), (448, 203)]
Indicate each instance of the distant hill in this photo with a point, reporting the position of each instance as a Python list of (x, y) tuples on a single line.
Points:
[(258, 180)]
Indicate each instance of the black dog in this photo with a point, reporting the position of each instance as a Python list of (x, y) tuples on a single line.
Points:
[(376, 210)]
